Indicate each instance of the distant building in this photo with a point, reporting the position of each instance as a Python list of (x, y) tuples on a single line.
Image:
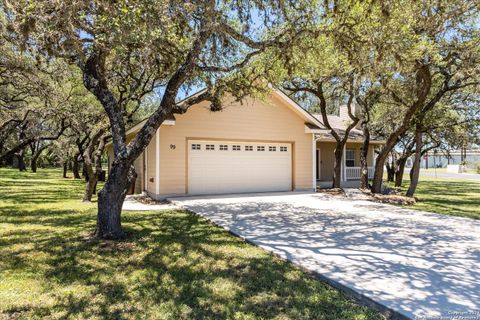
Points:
[(441, 160)]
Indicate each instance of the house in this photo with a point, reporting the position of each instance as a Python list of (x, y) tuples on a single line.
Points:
[(253, 146)]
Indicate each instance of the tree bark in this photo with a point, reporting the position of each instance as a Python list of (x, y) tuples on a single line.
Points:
[(36, 152), (415, 172), (337, 167), (76, 167), (92, 158), (90, 187), (21, 161), (110, 201), (390, 170), (364, 154), (65, 169), (33, 164), (401, 162)]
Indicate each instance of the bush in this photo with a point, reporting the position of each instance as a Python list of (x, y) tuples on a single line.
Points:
[(477, 167)]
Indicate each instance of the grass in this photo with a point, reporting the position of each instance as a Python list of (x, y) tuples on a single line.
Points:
[(175, 266), (454, 197)]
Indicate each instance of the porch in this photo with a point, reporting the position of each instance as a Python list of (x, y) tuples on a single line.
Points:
[(350, 171)]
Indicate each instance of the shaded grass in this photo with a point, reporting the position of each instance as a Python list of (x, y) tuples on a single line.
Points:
[(447, 196), (176, 266)]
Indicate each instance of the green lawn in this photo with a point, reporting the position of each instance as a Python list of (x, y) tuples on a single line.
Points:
[(447, 196), (175, 266)]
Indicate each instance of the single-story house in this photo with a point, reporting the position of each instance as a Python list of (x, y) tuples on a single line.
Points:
[(258, 145)]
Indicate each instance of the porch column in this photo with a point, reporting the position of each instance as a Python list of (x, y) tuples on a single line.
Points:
[(344, 164)]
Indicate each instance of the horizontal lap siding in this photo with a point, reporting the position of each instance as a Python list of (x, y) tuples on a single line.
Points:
[(151, 171), (138, 164), (327, 157), (254, 120)]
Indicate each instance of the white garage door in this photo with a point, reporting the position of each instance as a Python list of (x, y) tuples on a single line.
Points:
[(216, 167)]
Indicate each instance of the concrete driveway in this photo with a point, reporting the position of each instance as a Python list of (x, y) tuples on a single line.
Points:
[(417, 264)]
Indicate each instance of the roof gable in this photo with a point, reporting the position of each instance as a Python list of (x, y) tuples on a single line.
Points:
[(295, 107)]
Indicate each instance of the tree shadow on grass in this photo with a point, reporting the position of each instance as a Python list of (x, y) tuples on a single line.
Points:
[(175, 265)]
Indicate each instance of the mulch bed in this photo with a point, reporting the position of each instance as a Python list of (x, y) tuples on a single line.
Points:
[(331, 191), (391, 196), (147, 200), (393, 199)]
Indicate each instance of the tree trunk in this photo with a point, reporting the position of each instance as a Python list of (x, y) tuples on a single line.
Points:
[(65, 169), (90, 187), (21, 161), (84, 170), (75, 167), (110, 201), (35, 156), (390, 170), (337, 167), (378, 173), (424, 82), (364, 155), (33, 164), (415, 172), (400, 171)]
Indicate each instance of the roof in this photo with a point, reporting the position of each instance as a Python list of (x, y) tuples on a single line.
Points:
[(312, 121), (340, 125)]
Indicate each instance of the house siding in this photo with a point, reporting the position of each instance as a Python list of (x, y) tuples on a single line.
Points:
[(253, 120), (138, 165), (327, 157), (151, 165)]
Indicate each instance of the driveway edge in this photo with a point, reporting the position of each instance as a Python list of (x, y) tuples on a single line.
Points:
[(352, 293)]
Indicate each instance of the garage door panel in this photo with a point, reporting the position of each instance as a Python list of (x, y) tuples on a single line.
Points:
[(238, 170)]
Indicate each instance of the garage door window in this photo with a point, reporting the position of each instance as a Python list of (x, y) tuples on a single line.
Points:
[(210, 147), (223, 147), (272, 148), (195, 147), (236, 148), (248, 148), (260, 148), (283, 149)]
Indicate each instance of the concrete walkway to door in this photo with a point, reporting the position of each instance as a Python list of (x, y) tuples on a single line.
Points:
[(418, 264)]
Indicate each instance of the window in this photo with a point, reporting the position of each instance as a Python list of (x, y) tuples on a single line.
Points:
[(195, 147), (210, 147), (350, 158), (260, 148), (283, 149), (223, 147), (248, 148), (236, 148)]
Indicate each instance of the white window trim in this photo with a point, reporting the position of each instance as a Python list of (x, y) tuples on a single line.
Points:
[(350, 159)]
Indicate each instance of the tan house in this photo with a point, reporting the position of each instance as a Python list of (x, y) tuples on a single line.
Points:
[(253, 146)]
